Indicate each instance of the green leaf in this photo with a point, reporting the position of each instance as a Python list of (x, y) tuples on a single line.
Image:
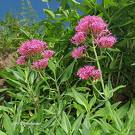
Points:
[(2, 133), (122, 111), (49, 112), (113, 115), (80, 109), (32, 77), (92, 102), (119, 87), (26, 33), (50, 13), (109, 2), (66, 13), (17, 74), (113, 49), (106, 126), (65, 123), (77, 123), (133, 64), (86, 126), (49, 122), (3, 89), (8, 125), (6, 109), (130, 122), (74, 1), (68, 72), (81, 88), (18, 115), (60, 131), (52, 66), (80, 99)]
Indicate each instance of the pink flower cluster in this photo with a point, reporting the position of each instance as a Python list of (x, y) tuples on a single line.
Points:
[(40, 64), (48, 53), (101, 36), (31, 48), (89, 71), (94, 25), (21, 60), (78, 52), (79, 38), (105, 41)]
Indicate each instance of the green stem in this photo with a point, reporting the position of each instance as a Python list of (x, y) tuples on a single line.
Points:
[(44, 79), (101, 94), (57, 87), (98, 64)]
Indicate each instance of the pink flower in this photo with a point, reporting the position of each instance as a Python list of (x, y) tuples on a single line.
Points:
[(94, 24), (83, 27), (21, 60), (78, 52), (98, 27), (85, 72), (94, 18), (85, 19), (40, 64), (105, 41), (96, 74), (32, 47), (48, 53), (89, 71), (78, 38)]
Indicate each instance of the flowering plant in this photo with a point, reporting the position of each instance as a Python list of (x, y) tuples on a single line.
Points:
[(58, 85), (31, 48)]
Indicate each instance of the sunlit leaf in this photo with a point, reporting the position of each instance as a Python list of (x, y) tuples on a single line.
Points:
[(68, 72), (50, 13), (65, 123)]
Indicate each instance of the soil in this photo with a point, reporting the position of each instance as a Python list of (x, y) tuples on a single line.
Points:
[(7, 60)]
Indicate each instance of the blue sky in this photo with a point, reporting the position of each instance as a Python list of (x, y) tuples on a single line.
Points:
[(13, 6)]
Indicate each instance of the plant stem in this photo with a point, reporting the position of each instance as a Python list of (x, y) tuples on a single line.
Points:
[(98, 91), (98, 64), (44, 79), (57, 87)]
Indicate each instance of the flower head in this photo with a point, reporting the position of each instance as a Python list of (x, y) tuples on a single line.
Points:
[(78, 52), (96, 74), (78, 38), (85, 19), (85, 72), (98, 27), (48, 53), (83, 27), (89, 71), (94, 18), (94, 24), (32, 47), (40, 64), (21, 60), (106, 41)]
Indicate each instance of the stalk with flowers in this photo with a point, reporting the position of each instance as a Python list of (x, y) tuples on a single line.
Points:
[(96, 28), (67, 94)]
